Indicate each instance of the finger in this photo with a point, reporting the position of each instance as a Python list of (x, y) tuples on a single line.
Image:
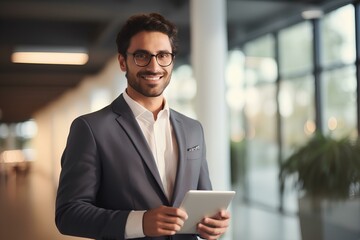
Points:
[(172, 220), (177, 212), (216, 223), (224, 214), (156, 223), (210, 232), (164, 232), (169, 226), (170, 215)]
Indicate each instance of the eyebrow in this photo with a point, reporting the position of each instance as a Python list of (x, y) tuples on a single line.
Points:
[(145, 51)]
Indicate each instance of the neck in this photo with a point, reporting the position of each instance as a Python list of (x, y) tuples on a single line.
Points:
[(153, 104)]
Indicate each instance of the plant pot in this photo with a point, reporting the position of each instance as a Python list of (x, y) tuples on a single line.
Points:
[(324, 219)]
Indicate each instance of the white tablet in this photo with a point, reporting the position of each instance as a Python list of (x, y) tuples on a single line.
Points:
[(199, 204)]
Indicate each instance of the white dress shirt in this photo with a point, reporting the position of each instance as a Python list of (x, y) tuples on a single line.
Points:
[(162, 142)]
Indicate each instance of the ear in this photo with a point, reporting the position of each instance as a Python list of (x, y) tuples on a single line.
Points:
[(122, 62)]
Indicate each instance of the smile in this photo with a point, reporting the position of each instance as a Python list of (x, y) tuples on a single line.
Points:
[(151, 77)]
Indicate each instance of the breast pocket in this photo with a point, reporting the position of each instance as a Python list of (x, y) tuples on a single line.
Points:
[(194, 152)]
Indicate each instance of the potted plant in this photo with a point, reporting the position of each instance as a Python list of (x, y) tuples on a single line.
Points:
[(327, 177)]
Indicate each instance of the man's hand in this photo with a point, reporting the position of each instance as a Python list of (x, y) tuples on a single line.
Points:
[(163, 221), (212, 228)]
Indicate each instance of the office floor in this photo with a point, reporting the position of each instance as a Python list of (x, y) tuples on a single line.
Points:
[(27, 213), (27, 207), (253, 222)]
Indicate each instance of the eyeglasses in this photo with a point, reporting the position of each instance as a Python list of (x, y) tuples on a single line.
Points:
[(143, 58)]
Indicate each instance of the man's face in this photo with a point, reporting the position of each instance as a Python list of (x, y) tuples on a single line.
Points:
[(151, 80)]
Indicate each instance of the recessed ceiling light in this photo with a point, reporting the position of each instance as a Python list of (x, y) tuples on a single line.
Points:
[(312, 13), (50, 55)]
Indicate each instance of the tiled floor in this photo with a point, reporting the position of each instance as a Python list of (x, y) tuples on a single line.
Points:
[(257, 223), (27, 213), (27, 208)]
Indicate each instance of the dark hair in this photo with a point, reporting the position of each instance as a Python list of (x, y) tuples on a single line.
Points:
[(152, 22)]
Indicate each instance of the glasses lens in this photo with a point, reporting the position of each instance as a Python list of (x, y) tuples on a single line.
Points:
[(142, 59), (164, 59)]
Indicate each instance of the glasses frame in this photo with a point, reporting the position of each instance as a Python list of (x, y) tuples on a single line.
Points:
[(151, 56)]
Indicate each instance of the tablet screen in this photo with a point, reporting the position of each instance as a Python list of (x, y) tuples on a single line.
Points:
[(199, 204)]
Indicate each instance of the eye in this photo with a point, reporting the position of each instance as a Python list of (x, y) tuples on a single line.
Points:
[(163, 55), (141, 55)]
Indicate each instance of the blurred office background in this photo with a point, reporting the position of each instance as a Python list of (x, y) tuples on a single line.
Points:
[(292, 67)]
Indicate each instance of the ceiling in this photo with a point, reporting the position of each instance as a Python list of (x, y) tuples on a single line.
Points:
[(93, 24)]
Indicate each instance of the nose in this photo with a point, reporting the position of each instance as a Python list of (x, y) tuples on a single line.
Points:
[(153, 64)]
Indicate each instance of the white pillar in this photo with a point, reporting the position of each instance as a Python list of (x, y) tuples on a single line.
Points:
[(209, 56)]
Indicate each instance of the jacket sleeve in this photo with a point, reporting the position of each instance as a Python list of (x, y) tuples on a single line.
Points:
[(77, 213)]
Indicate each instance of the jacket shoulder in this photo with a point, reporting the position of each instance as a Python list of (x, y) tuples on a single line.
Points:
[(188, 122)]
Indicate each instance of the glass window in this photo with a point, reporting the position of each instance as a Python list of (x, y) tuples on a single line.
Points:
[(261, 144), (260, 118), (297, 111), (235, 98), (339, 90), (260, 63), (338, 36), (296, 95), (296, 49), (235, 95)]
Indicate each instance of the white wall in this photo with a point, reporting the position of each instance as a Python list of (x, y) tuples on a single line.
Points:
[(54, 121)]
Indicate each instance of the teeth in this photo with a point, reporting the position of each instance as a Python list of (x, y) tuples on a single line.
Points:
[(153, 78)]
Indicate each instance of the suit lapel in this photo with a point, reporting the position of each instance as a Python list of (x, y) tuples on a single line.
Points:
[(128, 122), (180, 138)]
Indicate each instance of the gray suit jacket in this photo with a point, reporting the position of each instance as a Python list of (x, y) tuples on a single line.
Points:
[(109, 170)]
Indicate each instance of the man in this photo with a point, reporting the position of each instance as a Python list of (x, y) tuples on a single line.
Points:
[(127, 167)]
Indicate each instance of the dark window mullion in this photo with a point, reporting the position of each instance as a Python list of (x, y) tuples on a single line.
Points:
[(278, 115), (357, 61), (317, 75)]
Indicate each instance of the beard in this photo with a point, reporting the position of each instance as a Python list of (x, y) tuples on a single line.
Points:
[(145, 87)]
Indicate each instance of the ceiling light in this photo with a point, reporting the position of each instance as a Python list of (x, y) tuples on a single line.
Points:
[(312, 13), (50, 55)]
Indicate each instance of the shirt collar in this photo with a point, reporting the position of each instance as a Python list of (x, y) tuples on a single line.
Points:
[(139, 110)]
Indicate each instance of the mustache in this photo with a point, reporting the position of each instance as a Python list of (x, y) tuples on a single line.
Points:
[(149, 73)]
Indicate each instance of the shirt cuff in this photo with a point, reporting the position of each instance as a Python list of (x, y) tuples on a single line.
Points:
[(134, 225)]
